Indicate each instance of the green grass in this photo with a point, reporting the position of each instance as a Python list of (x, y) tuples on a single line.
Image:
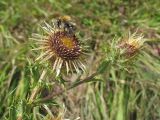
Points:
[(121, 90)]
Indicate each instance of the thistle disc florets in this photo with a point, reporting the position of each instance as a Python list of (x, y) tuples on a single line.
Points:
[(61, 47), (65, 46)]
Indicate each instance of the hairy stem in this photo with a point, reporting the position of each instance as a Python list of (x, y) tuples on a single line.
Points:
[(37, 88), (52, 95)]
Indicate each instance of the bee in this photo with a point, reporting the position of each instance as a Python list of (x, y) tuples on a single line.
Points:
[(65, 23)]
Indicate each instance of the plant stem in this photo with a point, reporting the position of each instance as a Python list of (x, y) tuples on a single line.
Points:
[(87, 79), (37, 88)]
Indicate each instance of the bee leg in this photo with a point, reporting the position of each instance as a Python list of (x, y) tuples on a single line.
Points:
[(59, 24)]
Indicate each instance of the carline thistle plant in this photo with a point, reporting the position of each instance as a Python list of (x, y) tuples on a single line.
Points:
[(61, 46)]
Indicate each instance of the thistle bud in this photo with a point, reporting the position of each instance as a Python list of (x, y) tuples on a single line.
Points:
[(131, 45)]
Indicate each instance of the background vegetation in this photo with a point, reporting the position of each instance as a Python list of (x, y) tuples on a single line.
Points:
[(118, 91)]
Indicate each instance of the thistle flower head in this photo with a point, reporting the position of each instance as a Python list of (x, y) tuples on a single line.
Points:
[(60, 47), (132, 44)]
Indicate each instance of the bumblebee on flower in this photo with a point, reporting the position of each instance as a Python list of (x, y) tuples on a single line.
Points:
[(61, 46)]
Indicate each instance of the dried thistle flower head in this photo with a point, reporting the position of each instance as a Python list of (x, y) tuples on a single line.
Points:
[(61, 47), (132, 44)]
